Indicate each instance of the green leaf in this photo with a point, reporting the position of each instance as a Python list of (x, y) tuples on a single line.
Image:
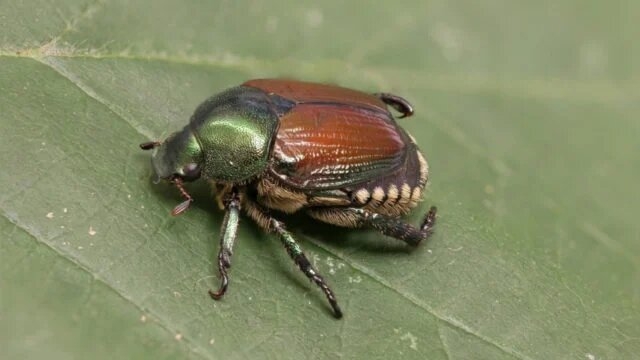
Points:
[(527, 113)]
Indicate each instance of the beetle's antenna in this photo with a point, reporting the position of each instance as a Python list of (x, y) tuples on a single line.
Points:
[(149, 145), (183, 206)]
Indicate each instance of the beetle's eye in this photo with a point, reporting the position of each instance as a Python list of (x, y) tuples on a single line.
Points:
[(191, 172)]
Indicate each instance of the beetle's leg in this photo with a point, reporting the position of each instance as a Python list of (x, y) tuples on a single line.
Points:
[(149, 145), (183, 206), (227, 239), (399, 229), (394, 227), (294, 250), (400, 104)]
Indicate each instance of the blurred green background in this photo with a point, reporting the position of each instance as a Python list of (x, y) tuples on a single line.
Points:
[(527, 112)]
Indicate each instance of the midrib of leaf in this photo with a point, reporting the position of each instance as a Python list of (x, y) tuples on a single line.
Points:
[(586, 91)]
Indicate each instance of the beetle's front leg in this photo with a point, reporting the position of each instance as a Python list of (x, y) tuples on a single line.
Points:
[(227, 239)]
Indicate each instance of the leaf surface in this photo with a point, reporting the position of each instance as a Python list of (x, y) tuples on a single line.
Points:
[(527, 113)]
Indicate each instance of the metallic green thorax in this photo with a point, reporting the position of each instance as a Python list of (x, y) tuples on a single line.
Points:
[(229, 136)]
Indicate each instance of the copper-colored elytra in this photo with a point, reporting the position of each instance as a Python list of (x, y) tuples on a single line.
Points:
[(337, 136), (183, 206), (302, 92)]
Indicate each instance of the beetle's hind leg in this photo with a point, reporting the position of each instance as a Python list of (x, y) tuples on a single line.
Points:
[(400, 104), (270, 224), (390, 226), (396, 228)]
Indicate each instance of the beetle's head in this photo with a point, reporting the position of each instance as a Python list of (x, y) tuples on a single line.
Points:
[(178, 159)]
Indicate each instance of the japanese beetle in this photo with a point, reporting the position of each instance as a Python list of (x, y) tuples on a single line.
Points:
[(289, 146)]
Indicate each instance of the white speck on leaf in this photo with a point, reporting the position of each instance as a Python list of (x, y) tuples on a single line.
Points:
[(178, 336), (449, 39), (272, 24), (593, 58), (212, 341), (355, 280), (487, 203), (549, 203), (591, 357), (49, 215), (64, 210), (330, 261), (92, 231), (430, 251), (143, 318), (128, 196), (413, 340), (80, 248), (177, 294), (314, 18)]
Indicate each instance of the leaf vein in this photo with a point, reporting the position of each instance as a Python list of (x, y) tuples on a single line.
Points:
[(528, 88), (59, 67), (445, 347), (455, 323), (195, 348)]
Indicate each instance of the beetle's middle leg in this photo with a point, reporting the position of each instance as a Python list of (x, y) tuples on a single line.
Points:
[(270, 224)]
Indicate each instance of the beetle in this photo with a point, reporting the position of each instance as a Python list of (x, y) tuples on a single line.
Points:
[(285, 146)]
